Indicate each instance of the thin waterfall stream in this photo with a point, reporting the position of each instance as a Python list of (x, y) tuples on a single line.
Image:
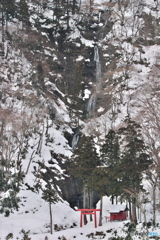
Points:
[(92, 100), (75, 140)]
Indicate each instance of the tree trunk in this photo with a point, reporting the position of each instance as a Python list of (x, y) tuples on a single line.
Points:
[(100, 215), (2, 30), (90, 202), (154, 205), (84, 202), (91, 3), (116, 200), (80, 3), (130, 212), (112, 199), (73, 7), (134, 215), (145, 219), (50, 212), (31, 158), (119, 5), (139, 217), (67, 14)]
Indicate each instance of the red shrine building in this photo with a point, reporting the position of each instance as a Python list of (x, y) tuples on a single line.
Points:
[(118, 212)]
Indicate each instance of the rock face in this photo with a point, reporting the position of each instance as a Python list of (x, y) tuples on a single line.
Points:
[(84, 62)]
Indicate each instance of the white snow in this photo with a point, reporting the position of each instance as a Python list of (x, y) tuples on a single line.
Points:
[(80, 58), (86, 94), (34, 217), (101, 109), (116, 208)]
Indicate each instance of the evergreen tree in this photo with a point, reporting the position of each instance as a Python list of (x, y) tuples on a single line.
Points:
[(99, 182), (23, 13), (2, 181), (110, 149), (40, 75), (82, 165), (124, 154), (62, 11), (85, 159), (9, 8), (134, 160), (10, 187), (50, 195), (110, 156)]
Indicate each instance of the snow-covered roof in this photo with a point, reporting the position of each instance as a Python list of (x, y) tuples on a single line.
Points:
[(117, 208)]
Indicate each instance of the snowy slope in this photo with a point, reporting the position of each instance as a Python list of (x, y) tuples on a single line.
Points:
[(34, 219)]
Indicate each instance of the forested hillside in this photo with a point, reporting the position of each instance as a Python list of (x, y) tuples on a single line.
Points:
[(79, 107)]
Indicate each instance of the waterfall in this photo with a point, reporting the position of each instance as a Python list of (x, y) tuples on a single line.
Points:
[(75, 139), (96, 54), (92, 100), (91, 104), (98, 68)]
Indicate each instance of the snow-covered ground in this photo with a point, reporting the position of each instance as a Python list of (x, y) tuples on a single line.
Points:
[(33, 217)]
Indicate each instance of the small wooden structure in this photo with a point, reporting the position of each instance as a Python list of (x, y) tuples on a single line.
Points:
[(88, 212), (118, 212)]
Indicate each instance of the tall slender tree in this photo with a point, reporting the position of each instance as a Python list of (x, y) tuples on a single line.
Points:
[(50, 195), (84, 159), (99, 182), (125, 156), (82, 165), (134, 160), (23, 13), (110, 156)]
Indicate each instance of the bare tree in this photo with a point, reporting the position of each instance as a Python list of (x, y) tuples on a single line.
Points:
[(151, 130), (150, 118)]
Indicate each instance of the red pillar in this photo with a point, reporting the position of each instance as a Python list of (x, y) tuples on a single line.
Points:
[(81, 219), (95, 219)]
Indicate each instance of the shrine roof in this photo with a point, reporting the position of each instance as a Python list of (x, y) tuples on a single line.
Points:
[(117, 208)]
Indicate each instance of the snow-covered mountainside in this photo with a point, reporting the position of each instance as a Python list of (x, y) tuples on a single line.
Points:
[(69, 68)]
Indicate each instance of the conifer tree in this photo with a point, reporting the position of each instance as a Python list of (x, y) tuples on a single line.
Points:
[(124, 154), (99, 182), (85, 159), (9, 8), (49, 194), (2, 181), (23, 13), (134, 160), (83, 163), (110, 156)]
